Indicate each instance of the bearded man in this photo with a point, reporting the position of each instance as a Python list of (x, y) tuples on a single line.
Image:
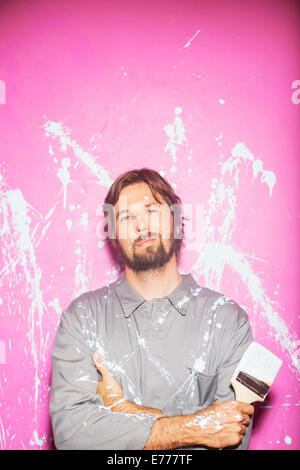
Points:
[(146, 362)]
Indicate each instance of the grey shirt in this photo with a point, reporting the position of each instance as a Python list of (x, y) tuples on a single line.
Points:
[(176, 354)]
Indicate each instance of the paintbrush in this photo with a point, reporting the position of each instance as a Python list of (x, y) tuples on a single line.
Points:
[(255, 374)]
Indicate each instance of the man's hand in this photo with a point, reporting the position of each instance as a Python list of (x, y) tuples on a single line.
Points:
[(222, 424), (112, 394), (109, 389)]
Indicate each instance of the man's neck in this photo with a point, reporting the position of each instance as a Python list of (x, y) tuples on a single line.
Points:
[(157, 283)]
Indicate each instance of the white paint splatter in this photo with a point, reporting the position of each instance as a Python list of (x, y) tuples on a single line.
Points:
[(241, 154), (81, 278), (192, 38), (221, 301), (176, 134), (84, 219), (55, 130), (69, 223), (204, 420), (36, 440), (56, 305), (269, 178), (142, 342), (199, 364), (2, 435), (288, 440), (84, 378), (64, 176), (19, 252), (217, 251), (182, 301)]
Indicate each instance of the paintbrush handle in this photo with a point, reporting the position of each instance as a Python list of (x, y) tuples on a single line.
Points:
[(243, 393)]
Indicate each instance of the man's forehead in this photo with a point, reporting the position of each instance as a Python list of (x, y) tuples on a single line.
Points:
[(136, 195)]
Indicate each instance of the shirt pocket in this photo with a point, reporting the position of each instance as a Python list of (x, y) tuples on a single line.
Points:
[(200, 393), (197, 392), (207, 386)]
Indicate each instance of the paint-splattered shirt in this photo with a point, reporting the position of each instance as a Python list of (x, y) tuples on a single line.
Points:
[(176, 354)]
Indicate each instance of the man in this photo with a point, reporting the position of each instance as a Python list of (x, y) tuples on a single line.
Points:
[(164, 346)]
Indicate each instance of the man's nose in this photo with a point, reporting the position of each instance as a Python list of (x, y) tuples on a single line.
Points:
[(141, 223)]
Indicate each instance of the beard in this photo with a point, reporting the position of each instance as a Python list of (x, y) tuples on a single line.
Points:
[(151, 258)]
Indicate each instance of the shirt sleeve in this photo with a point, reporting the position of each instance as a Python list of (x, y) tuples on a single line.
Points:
[(235, 338), (79, 418)]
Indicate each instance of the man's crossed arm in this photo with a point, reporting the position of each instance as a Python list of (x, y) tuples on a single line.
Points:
[(220, 425)]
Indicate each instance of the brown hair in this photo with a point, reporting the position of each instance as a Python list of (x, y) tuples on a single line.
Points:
[(158, 186)]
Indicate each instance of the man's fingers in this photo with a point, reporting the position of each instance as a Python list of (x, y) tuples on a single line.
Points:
[(100, 364), (246, 408), (245, 420), (243, 429)]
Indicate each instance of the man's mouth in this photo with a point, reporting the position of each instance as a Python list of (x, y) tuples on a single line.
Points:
[(146, 242)]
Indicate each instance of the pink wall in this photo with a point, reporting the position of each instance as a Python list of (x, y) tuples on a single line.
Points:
[(201, 91)]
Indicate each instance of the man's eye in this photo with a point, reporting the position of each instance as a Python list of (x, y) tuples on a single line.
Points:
[(124, 218)]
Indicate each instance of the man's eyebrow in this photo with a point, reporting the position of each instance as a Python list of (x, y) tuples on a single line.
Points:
[(121, 212), (146, 205)]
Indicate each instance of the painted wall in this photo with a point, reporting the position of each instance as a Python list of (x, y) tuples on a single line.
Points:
[(208, 94)]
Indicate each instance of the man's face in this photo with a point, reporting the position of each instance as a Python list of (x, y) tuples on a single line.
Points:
[(144, 229)]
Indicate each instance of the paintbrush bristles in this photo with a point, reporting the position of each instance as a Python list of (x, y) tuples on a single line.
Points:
[(255, 374)]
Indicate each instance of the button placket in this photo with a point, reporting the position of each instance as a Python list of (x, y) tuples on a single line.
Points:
[(157, 331)]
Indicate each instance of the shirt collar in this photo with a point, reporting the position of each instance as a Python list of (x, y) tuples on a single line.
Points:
[(180, 297)]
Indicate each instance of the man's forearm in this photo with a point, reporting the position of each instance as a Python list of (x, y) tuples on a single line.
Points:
[(126, 406), (167, 432), (170, 433)]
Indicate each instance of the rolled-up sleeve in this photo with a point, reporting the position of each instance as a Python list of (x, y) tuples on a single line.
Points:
[(79, 418)]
